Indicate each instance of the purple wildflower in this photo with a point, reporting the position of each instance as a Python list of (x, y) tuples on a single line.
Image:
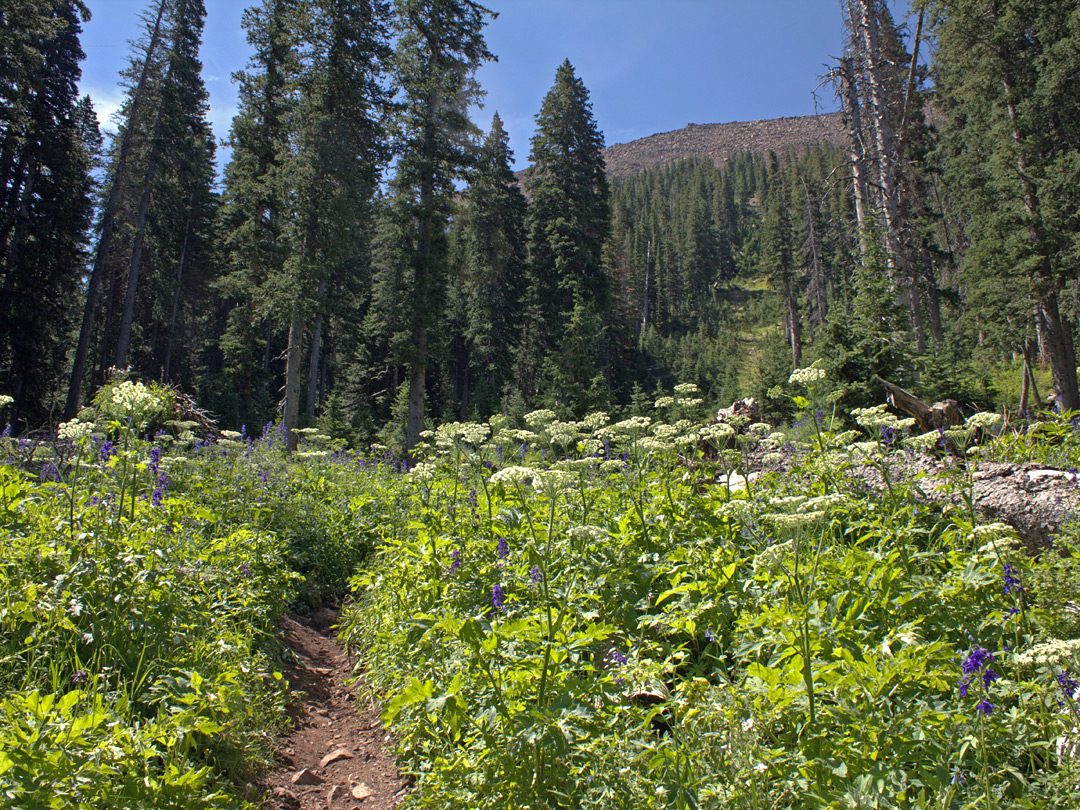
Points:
[(108, 450), (79, 676), (616, 658), (455, 566), (536, 575), (503, 550), (498, 597), (1068, 683), (985, 706), (1012, 580), (155, 460)]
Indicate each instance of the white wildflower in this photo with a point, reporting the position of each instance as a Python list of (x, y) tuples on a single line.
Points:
[(540, 418), (553, 481), (825, 502), (687, 390), (134, 397), (796, 521), (425, 472), (308, 431), (234, 435), (563, 433), (588, 533), (611, 466), (311, 455), (788, 503), (513, 475), (924, 441), (760, 428), (664, 402), (718, 432), (737, 508), (771, 555), (772, 458), (984, 420), (1051, 652), (806, 376), (5, 400), (635, 424), (596, 420), (75, 430)]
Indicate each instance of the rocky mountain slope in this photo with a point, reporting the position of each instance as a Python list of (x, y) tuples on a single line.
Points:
[(719, 141)]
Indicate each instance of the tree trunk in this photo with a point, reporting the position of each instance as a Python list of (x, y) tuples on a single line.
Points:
[(171, 340), (135, 266), (850, 104), (108, 225), (293, 362), (316, 351), (1059, 343)]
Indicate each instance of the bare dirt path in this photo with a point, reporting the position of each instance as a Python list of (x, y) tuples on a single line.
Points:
[(336, 757)]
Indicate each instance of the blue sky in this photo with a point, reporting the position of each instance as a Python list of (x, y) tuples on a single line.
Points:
[(650, 65)]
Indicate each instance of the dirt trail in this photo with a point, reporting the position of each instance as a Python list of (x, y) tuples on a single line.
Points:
[(336, 756)]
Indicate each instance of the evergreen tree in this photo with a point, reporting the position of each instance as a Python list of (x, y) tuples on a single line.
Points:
[(48, 142), (440, 44), (1006, 73), (493, 266), (568, 222)]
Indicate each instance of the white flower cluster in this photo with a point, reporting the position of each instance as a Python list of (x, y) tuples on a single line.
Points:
[(1054, 651), (635, 424), (664, 402), (588, 533), (738, 508), (540, 419), (134, 397), (771, 555), (563, 433), (806, 376), (924, 441), (232, 435), (5, 400), (312, 455), (74, 430), (552, 481), (797, 521), (984, 420), (513, 475), (424, 472), (879, 417), (595, 421), (686, 390)]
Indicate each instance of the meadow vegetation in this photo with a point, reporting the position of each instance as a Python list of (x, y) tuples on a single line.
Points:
[(556, 613)]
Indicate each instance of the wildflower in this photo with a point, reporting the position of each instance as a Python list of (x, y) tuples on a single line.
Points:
[(1051, 652), (5, 400), (245, 570), (983, 419), (74, 430), (536, 575), (503, 549), (155, 460), (616, 658), (664, 402), (498, 597), (1012, 580), (985, 706), (1068, 683), (540, 418), (687, 390), (513, 475), (806, 376), (710, 636), (455, 565), (79, 676)]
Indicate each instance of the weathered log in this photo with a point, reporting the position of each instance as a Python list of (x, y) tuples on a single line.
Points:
[(943, 414)]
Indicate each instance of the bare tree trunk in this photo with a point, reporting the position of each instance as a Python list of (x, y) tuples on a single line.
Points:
[(171, 340), (108, 224), (645, 301), (849, 99), (293, 362), (818, 283), (1059, 341), (316, 351)]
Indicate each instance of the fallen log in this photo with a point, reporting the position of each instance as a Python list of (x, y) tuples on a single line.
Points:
[(943, 414)]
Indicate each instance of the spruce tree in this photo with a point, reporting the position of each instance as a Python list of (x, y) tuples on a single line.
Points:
[(568, 222), (48, 143), (1005, 73), (440, 44)]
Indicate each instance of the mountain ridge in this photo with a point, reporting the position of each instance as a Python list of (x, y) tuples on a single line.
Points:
[(718, 142)]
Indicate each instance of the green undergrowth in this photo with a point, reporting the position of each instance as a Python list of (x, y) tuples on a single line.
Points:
[(577, 615), (141, 584), (557, 614)]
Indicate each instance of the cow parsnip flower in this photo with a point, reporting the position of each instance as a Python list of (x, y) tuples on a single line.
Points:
[(1054, 651), (984, 420), (74, 430), (806, 376), (687, 390), (513, 475), (5, 400), (540, 418)]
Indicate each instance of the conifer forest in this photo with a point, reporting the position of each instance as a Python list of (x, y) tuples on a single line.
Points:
[(713, 483)]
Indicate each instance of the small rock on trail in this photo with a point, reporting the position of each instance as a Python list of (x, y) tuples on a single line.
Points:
[(335, 757)]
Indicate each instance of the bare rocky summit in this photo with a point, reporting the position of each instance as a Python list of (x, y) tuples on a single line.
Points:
[(718, 142)]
